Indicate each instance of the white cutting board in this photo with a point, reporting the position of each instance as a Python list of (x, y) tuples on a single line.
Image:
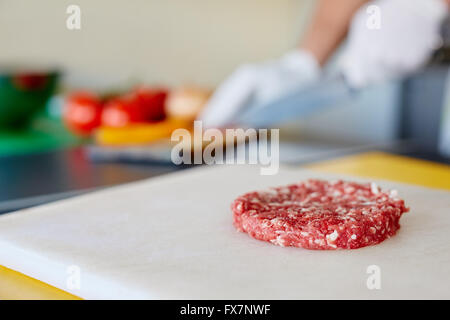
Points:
[(172, 237)]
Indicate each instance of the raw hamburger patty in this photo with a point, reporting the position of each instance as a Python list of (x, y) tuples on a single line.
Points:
[(322, 215)]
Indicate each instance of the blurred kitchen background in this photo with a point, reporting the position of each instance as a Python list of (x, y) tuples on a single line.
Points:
[(171, 44)]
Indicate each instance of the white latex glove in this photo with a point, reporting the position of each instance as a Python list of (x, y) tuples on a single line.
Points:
[(258, 84), (409, 33)]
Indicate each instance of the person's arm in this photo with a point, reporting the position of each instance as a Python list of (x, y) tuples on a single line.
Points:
[(259, 84), (329, 27)]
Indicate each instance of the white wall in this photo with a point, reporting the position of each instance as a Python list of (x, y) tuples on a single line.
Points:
[(165, 41)]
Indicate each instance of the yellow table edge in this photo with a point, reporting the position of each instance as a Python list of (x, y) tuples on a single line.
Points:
[(378, 165), (18, 286)]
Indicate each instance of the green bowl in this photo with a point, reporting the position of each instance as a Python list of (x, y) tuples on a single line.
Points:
[(22, 94)]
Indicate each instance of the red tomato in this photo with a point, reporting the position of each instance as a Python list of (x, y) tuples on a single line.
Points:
[(141, 105), (122, 111), (82, 112), (152, 103)]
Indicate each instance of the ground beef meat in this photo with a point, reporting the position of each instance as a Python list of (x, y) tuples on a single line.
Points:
[(321, 215)]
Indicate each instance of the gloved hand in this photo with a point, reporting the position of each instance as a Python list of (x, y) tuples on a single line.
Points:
[(258, 84), (409, 33)]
